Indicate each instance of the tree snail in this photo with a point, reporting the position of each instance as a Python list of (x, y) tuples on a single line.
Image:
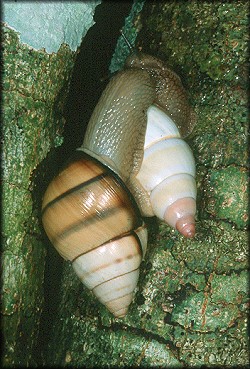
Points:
[(132, 162)]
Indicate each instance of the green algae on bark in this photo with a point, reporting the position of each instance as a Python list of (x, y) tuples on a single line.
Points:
[(32, 83), (228, 196)]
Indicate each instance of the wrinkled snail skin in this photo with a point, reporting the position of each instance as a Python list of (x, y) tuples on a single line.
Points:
[(92, 220), (136, 101), (170, 94), (116, 130)]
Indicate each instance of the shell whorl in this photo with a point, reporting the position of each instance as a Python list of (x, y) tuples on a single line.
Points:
[(111, 270), (92, 220)]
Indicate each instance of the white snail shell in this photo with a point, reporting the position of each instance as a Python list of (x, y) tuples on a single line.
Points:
[(167, 173), (92, 220), (131, 146)]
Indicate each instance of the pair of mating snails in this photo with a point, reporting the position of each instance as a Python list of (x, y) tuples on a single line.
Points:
[(133, 163)]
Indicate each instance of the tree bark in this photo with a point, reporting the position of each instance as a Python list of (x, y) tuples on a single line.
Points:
[(35, 85)]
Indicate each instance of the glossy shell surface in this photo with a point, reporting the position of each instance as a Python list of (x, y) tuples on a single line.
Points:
[(92, 220), (167, 172)]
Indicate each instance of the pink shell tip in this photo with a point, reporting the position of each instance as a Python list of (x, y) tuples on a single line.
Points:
[(186, 227)]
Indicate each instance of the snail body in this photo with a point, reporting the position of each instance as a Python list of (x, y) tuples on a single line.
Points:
[(92, 220)]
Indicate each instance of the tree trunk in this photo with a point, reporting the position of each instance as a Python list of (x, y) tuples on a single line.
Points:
[(190, 308)]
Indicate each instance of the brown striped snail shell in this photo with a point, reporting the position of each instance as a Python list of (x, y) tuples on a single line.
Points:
[(92, 220), (158, 168)]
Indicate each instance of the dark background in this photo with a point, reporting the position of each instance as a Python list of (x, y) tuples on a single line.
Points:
[(92, 69)]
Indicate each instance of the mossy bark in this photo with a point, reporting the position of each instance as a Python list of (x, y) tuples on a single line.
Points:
[(35, 85)]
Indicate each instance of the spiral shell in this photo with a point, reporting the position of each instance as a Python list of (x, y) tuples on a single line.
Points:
[(92, 220)]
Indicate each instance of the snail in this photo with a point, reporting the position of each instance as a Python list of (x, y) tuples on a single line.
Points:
[(133, 163)]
